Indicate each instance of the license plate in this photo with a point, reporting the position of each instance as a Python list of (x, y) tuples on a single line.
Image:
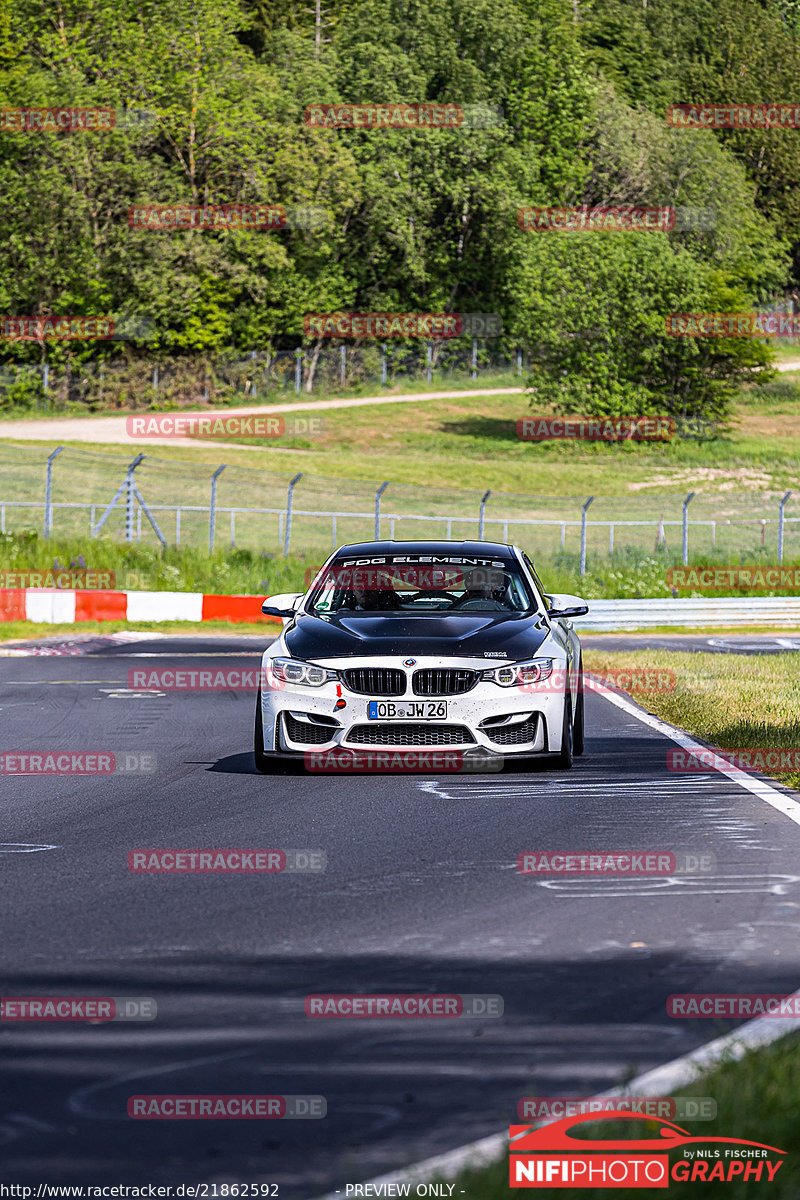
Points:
[(407, 710)]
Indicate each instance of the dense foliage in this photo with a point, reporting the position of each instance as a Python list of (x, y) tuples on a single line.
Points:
[(412, 219)]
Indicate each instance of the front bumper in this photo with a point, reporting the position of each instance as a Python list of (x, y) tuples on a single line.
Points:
[(489, 718)]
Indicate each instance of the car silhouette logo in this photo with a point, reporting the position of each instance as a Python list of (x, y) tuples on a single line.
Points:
[(409, 662), (557, 1154), (558, 1135)]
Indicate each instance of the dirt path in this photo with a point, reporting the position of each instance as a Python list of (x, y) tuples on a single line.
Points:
[(112, 430)]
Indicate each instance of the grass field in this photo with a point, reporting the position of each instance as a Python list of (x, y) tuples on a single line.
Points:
[(472, 443), (440, 457)]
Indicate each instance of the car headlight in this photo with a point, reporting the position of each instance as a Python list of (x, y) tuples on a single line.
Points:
[(521, 674), (292, 670)]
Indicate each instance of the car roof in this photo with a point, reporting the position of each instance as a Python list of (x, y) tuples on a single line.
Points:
[(465, 549)]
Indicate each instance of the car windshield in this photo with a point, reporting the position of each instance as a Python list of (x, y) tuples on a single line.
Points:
[(415, 585)]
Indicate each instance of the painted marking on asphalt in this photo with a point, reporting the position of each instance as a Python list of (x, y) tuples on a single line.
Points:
[(697, 885), (458, 789), (122, 693), (77, 1100), (86, 643), (23, 848)]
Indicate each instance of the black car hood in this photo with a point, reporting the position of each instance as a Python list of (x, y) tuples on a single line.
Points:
[(517, 635)]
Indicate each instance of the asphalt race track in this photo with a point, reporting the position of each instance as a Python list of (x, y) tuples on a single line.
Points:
[(421, 894)]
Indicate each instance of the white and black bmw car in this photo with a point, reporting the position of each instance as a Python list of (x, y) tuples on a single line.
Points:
[(410, 645)]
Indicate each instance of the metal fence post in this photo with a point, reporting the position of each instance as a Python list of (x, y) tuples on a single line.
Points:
[(428, 361), (474, 358), (289, 503), (212, 512), (686, 503), (45, 379), (343, 364), (780, 526), (48, 493), (378, 495), (383, 364), (298, 369), (155, 382), (129, 497), (519, 362), (583, 534), (484, 498)]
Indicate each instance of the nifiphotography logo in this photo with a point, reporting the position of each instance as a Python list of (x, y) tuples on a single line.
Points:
[(558, 1156)]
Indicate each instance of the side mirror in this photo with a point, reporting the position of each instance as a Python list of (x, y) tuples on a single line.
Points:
[(282, 604), (565, 605)]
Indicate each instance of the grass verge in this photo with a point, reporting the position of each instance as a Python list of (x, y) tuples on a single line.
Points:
[(732, 701)]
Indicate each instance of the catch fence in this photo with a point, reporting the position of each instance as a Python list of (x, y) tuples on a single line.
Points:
[(89, 494)]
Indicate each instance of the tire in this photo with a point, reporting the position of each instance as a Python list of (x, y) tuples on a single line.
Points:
[(578, 723), (564, 760)]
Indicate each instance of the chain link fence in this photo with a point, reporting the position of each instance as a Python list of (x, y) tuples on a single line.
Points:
[(147, 499)]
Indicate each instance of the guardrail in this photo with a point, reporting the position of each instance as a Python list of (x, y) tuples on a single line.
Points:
[(609, 615)]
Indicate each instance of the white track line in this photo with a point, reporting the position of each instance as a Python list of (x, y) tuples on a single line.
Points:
[(661, 1081), (759, 787)]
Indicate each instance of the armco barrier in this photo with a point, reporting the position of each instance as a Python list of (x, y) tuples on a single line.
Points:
[(607, 615), (62, 606)]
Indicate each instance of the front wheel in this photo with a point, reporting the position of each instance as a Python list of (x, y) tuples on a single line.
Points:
[(578, 723), (564, 760)]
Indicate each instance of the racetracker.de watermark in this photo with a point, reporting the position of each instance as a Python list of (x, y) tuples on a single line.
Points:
[(773, 762), (227, 862), (729, 1004), (383, 116), (208, 217), (616, 862), (409, 324), (597, 429), (165, 425), (343, 761), (105, 328), (77, 762), (57, 329), (78, 1008), (734, 116), (194, 679), (63, 577), (733, 324), (226, 1107), (709, 578), (408, 1005), (626, 218), (674, 1108), (75, 120)]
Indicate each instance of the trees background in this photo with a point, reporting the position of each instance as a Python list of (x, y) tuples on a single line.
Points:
[(415, 220)]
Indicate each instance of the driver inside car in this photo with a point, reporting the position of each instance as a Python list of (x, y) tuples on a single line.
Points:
[(484, 590)]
